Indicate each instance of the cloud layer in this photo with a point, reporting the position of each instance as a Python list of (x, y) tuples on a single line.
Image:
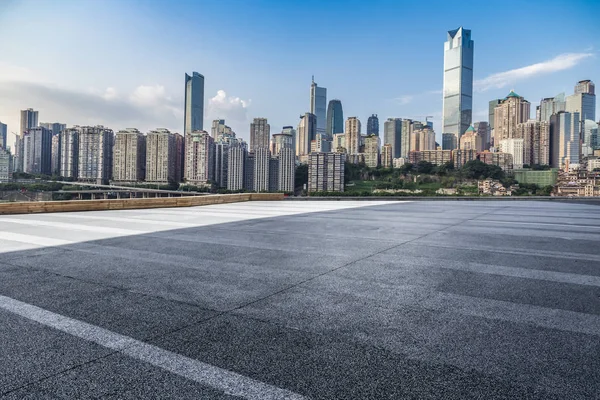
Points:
[(503, 79), (229, 108)]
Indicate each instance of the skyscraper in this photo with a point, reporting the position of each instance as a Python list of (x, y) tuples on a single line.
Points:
[(3, 135), (318, 105), (217, 128), (583, 101), (373, 125), (372, 154), (287, 169), (69, 153), (392, 135), (335, 118), (564, 139), (483, 130), (262, 158), (199, 160), (260, 134), (552, 105), (54, 127), (536, 142), (306, 134), (161, 156), (194, 103), (235, 167), (491, 109), (449, 141), (513, 110), (352, 135), (221, 163), (326, 172), (458, 82), (29, 119), (129, 156)]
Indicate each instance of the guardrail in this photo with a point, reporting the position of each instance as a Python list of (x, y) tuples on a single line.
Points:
[(130, 204)]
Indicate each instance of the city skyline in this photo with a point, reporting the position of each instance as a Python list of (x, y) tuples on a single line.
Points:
[(154, 96)]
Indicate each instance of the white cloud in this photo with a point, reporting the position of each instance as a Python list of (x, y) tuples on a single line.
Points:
[(110, 94), (227, 107), (402, 100), (503, 79)]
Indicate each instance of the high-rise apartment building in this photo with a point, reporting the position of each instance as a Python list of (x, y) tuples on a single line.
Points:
[(221, 164), (565, 136), (512, 111), (217, 128), (436, 157), (289, 130), (249, 172), (95, 153), (282, 141), (29, 119), (372, 154), (260, 134), (338, 145), (458, 82), (3, 135), (179, 157), (392, 135), (37, 151), (536, 142), (492, 108), (352, 133), (129, 156), (235, 167), (193, 112), (326, 172), (307, 132), (335, 118), (69, 154), (161, 156), (199, 160), (407, 129), (6, 165), (471, 140), (514, 147), (318, 106), (286, 170), (373, 125), (387, 156), (54, 127), (422, 139), (551, 105), (262, 157), (55, 158)]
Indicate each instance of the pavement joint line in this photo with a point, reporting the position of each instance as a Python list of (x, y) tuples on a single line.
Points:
[(541, 223), (229, 382)]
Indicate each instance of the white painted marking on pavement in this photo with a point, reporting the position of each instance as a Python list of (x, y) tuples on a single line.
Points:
[(229, 382)]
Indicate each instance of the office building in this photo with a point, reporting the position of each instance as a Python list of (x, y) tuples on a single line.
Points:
[(6, 165), (161, 156), (458, 82), (318, 106), (260, 134), (129, 156), (352, 133), (3, 135), (326, 172), (95, 154), (551, 105), (287, 170), (512, 111), (471, 140), (484, 131), (536, 142), (306, 134), (423, 139), (583, 102), (235, 168), (193, 112), (449, 141), (335, 118), (69, 153), (373, 125), (221, 164), (565, 136), (387, 154), (55, 157), (392, 135), (37, 151), (514, 147), (372, 155)]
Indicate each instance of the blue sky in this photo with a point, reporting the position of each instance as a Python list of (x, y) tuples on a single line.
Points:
[(121, 63)]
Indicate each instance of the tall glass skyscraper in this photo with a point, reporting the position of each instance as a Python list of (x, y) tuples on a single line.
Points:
[(318, 105), (373, 125), (3, 135), (194, 103), (458, 82), (335, 118)]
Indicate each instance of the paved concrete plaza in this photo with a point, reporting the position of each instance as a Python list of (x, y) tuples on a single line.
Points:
[(320, 300)]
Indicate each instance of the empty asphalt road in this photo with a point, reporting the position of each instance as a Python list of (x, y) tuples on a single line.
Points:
[(303, 300)]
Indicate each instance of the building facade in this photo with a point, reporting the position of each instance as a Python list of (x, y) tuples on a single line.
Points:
[(69, 154), (287, 170), (235, 168), (551, 105), (221, 164), (514, 147), (372, 154), (161, 156), (6, 165), (260, 134), (536, 142), (352, 133), (436, 157), (193, 113), (326, 172), (392, 135), (199, 158), (485, 132), (471, 140), (373, 125), (129, 156), (306, 134), (565, 133), (3, 136), (458, 82), (422, 139), (37, 151), (95, 153), (511, 112)]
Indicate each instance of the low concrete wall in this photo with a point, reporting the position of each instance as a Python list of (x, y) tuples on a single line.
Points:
[(589, 200), (126, 204)]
